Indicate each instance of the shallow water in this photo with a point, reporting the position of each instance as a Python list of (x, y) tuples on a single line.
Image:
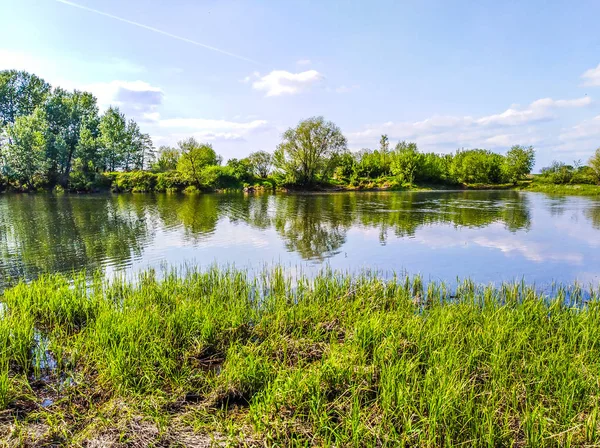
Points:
[(489, 236)]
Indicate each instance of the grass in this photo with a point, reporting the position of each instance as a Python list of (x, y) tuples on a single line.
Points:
[(337, 360), (567, 189)]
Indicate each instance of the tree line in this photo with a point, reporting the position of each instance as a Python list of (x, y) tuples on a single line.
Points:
[(50, 137)]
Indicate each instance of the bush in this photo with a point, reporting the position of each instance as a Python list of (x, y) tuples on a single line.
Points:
[(219, 177), (171, 181), (558, 173), (135, 181)]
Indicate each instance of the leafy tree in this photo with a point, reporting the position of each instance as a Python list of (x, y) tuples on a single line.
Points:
[(261, 162), (345, 165), (558, 173), (113, 138), (138, 147), (240, 169), (518, 162), (20, 94), (477, 166), (305, 154), (194, 157), (595, 164), (25, 154), (405, 161), (69, 116), (167, 160)]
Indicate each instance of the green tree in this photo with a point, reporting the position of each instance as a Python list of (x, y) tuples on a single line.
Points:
[(113, 138), (20, 94), (594, 163), (405, 161), (25, 154), (137, 149), (306, 152), (70, 115), (167, 160), (518, 162), (261, 162), (194, 157), (477, 166), (241, 169)]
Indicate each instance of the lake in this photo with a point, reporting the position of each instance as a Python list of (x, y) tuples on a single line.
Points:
[(488, 236)]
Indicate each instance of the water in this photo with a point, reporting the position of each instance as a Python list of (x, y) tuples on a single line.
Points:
[(488, 236)]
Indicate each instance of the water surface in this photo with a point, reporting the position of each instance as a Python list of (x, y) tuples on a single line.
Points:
[(489, 236)]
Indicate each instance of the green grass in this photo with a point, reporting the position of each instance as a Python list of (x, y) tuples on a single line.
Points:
[(336, 360), (568, 189)]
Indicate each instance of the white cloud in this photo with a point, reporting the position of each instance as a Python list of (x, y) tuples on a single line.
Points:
[(591, 77), (138, 99), (203, 124), (516, 125), (303, 62), (585, 130), (281, 82)]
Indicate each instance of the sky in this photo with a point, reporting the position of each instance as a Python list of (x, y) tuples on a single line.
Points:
[(237, 74)]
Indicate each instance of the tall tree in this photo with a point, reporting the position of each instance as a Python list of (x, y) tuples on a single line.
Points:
[(194, 157), (595, 164), (167, 159), (70, 115), (405, 161), (25, 154), (518, 162), (113, 138), (20, 94), (261, 162), (306, 151)]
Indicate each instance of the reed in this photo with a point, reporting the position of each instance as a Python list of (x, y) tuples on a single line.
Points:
[(271, 359)]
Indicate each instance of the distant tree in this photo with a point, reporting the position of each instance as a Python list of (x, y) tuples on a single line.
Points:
[(20, 94), (477, 166), (25, 154), (405, 161), (241, 169), (518, 162), (306, 152), (138, 147), (558, 173), (69, 116), (113, 138), (194, 157), (261, 162), (167, 160), (594, 164)]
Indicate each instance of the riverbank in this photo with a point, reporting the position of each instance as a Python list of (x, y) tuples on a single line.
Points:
[(566, 189), (337, 360)]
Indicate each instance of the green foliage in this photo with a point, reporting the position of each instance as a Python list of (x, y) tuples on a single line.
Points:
[(261, 163), (242, 170), (20, 94), (170, 181), (135, 181), (406, 161), (25, 154), (558, 173), (219, 177), (194, 157), (477, 166), (594, 164), (306, 153), (334, 360), (518, 163), (166, 161)]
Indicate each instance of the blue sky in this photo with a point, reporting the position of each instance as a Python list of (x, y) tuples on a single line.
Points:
[(446, 75)]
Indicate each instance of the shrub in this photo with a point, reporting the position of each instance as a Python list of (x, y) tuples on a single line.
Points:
[(170, 181), (135, 181)]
